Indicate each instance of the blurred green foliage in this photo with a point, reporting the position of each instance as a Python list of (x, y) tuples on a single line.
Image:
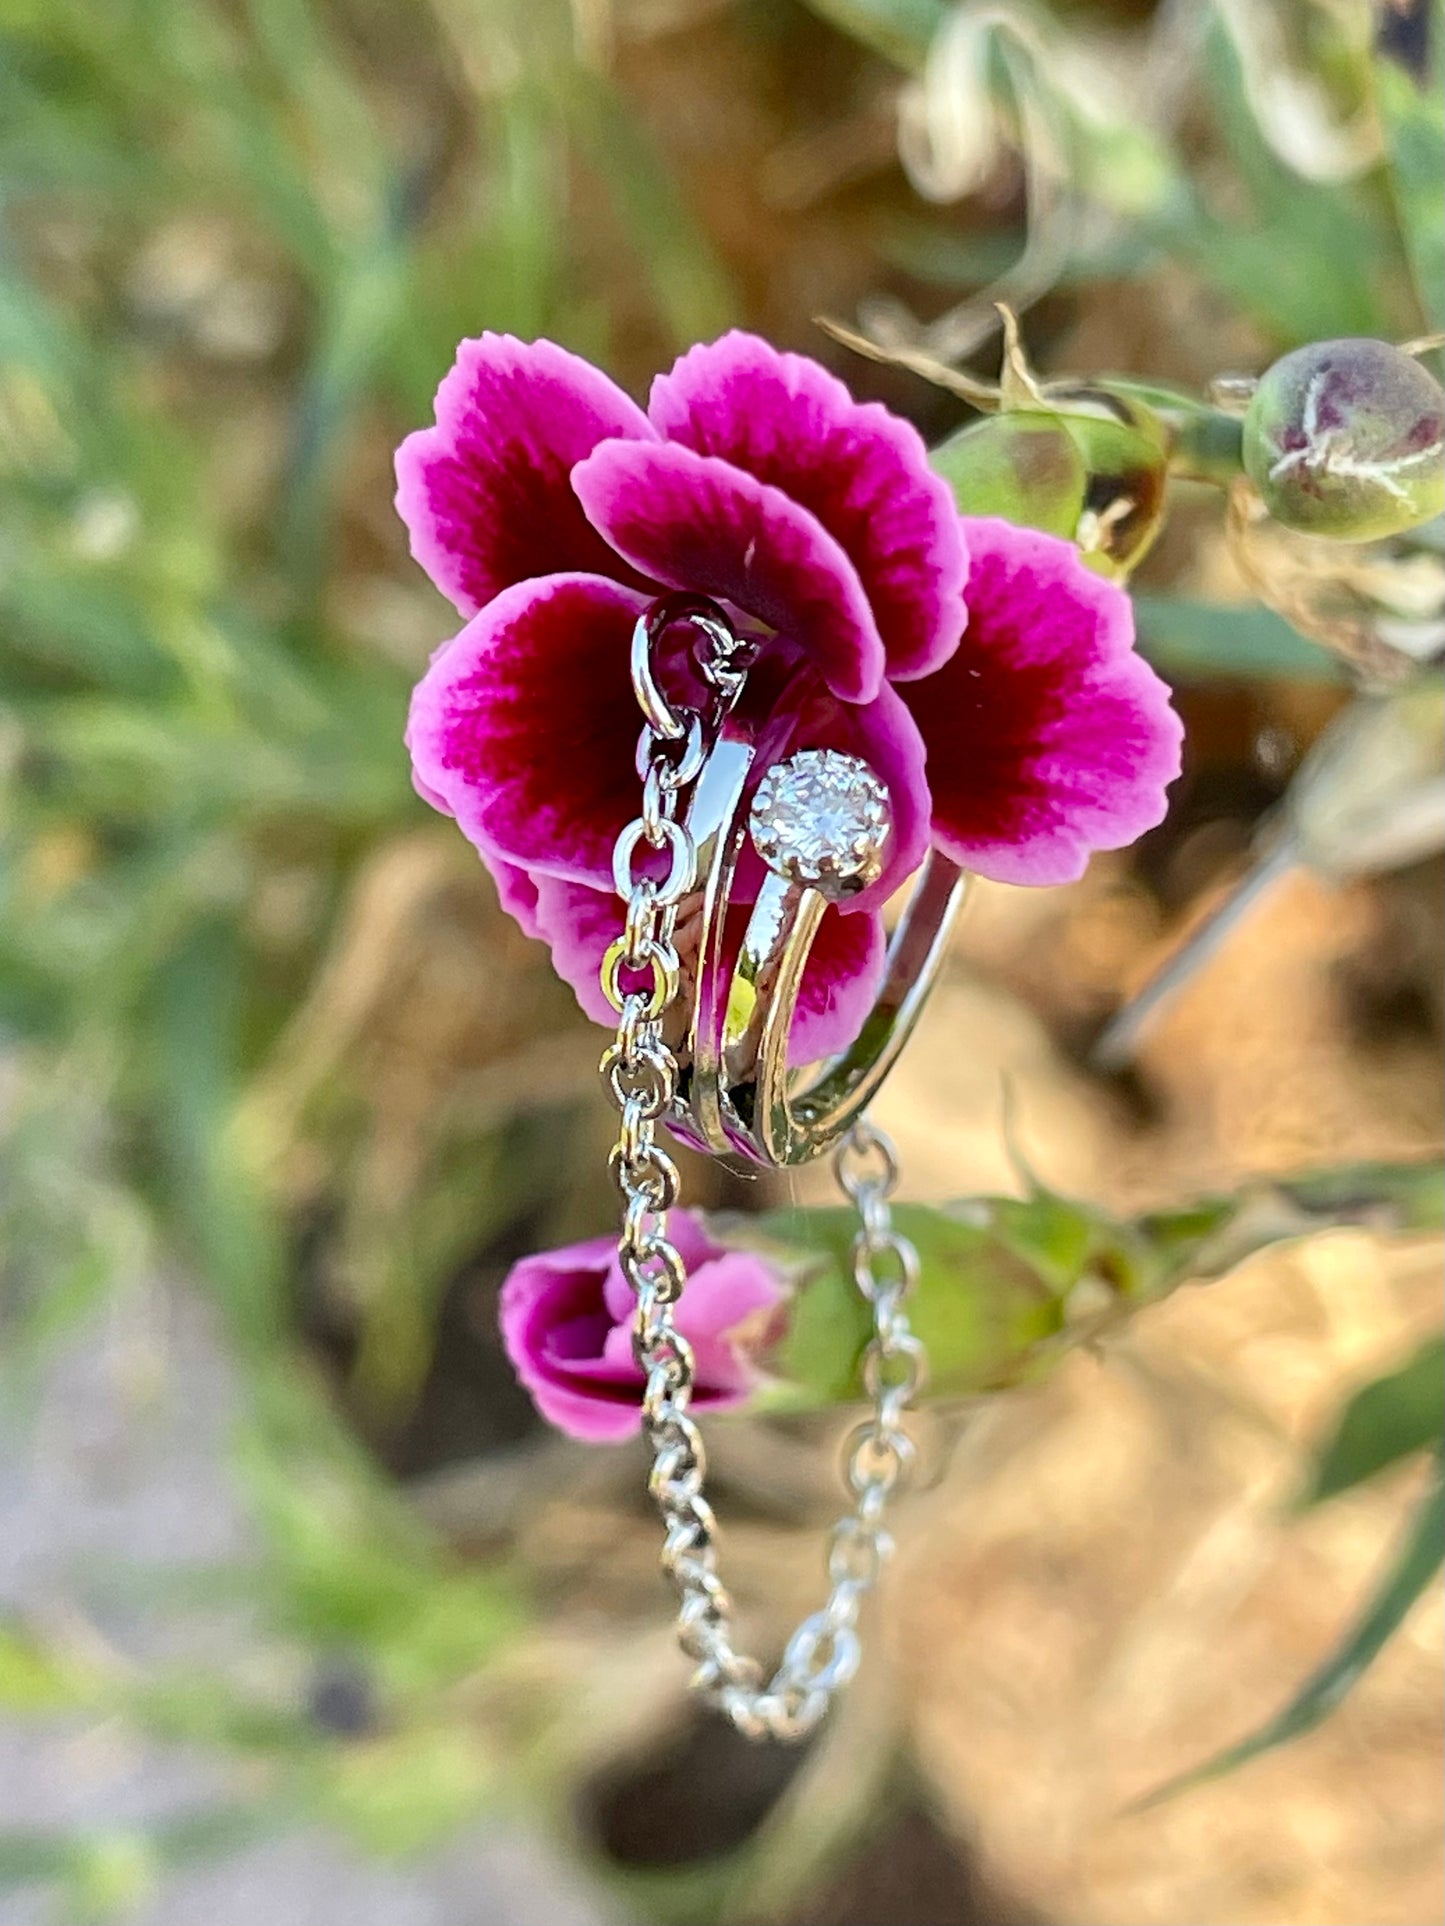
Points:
[(239, 240), (1009, 1283), (238, 245), (1306, 246), (239, 248)]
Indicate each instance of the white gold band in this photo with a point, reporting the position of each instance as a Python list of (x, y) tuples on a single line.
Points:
[(737, 1097)]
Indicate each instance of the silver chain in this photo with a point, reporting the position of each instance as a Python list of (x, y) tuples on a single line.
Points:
[(641, 1073)]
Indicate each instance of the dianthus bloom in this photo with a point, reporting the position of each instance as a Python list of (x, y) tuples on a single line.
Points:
[(567, 1325), (986, 676)]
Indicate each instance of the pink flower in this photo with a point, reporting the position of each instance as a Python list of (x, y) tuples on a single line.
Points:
[(566, 1323), (551, 510)]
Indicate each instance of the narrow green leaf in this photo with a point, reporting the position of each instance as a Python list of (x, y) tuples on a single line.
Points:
[(1415, 1563), (197, 1013), (1402, 1197), (900, 30), (1385, 1421), (1413, 118), (1201, 641)]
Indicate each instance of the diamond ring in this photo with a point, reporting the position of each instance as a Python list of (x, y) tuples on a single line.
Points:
[(819, 822)]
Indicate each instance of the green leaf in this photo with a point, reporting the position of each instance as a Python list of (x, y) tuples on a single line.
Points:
[(1385, 1421), (1413, 118), (1004, 1283), (1200, 641), (1008, 1284), (34, 1678), (1414, 1565), (900, 30), (1404, 1197), (979, 1305), (1023, 466)]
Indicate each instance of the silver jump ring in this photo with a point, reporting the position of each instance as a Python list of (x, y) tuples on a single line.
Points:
[(671, 772), (665, 613), (682, 861)]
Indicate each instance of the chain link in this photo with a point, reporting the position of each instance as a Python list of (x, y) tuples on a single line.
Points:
[(641, 1075)]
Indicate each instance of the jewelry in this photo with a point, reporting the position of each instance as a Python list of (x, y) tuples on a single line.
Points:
[(719, 1079)]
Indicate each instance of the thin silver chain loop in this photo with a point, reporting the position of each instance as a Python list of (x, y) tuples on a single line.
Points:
[(640, 1073)]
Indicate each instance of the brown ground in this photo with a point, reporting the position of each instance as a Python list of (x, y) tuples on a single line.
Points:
[(1104, 1586)]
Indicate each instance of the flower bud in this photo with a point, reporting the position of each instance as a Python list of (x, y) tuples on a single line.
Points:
[(1347, 439), (1021, 466), (1089, 465)]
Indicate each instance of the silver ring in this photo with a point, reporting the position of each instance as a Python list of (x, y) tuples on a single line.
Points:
[(737, 1097), (674, 840)]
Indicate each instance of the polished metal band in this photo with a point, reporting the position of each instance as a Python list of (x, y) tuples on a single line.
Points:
[(737, 1097)]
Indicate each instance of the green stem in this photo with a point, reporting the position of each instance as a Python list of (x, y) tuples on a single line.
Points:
[(1205, 443)]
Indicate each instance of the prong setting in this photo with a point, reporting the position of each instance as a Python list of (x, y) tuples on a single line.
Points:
[(821, 819)]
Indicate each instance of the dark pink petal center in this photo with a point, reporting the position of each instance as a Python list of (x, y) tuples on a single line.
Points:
[(486, 493), (1047, 736), (858, 470), (568, 1339), (698, 523), (526, 726)]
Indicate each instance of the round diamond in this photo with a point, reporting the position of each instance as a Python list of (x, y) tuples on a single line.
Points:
[(822, 818)]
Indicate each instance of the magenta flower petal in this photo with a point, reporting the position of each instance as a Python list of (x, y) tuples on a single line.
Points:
[(1047, 736), (695, 1246), (726, 1289), (555, 1324), (729, 1298), (517, 892), (861, 471), (429, 795), (485, 494), (578, 923), (565, 1324), (525, 725), (698, 523)]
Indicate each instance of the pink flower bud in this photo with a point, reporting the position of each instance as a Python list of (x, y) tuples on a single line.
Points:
[(566, 1319)]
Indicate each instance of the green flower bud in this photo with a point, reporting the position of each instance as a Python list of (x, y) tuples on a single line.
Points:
[(1022, 467), (1088, 464), (1347, 439)]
